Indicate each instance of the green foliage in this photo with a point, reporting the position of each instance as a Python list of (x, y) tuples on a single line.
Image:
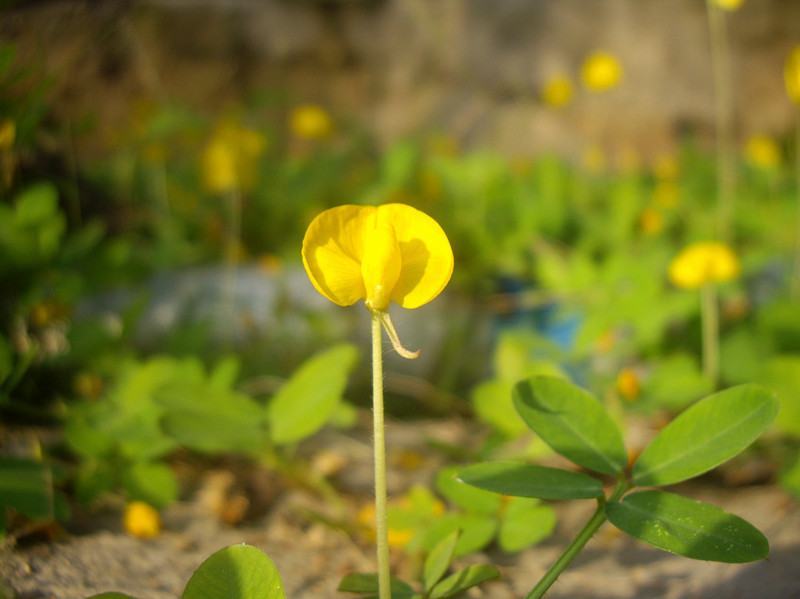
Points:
[(434, 586), (26, 486), (303, 405), (576, 426), (240, 571), (164, 403), (689, 528), (237, 571), (529, 480), (707, 434), (572, 422)]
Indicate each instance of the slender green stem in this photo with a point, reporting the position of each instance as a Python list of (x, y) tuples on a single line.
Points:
[(709, 316), (381, 527), (795, 288), (580, 541), (723, 112)]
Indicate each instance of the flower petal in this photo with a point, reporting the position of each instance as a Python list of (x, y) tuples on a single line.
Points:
[(333, 248), (380, 266), (427, 259)]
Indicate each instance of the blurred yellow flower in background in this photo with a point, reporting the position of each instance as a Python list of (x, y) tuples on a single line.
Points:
[(628, 385), (594, 159), (666, 194), (557, 92), (310, 121), (762, 151), (601, 71), (703, 262), (8, 133), (379, 254), (791, 75), (141, 520), (229, 158), (666, 168), (729, 5), (651, 221)]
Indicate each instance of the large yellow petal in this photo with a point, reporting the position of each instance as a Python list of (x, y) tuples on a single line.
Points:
[(333, 248), (427, 258), (381, 263)]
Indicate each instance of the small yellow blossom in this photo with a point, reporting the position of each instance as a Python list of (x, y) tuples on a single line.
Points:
[(763, 152), (703, 262), (651, 221), (557, 91), (397, 537), (601, 71), (666, 194), (142, 520), (8, 133), (628, 385), (270, 264), (594, 159), (729, 5), (379, 254), (791, 75), (666, 168), (229, 158), (88, 385), (310, 121)]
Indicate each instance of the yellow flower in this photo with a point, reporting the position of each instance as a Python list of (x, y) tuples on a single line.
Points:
[(666, 194), (379, 254), (762, 151), (628, 385), (791, 75), (601, 71), (729, 5), (703, 262), (8, 133), (594, 159), (557, 91), (651, 221), (142, 520), (229, 158), (310, 121), (666, 168)]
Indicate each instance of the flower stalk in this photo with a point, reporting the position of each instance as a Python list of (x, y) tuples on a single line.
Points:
[(379, 449), (709, 315)]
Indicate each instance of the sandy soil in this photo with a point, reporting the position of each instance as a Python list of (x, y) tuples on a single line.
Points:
[(312, 556)]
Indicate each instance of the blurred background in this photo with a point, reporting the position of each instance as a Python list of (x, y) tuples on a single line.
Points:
[(160, 161)]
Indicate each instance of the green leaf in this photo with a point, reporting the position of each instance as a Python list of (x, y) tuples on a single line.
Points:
[(27, 486), (211, 420), (706, 435), (225, 372), (688, 528), (153, 483), (305, 403), (438, 560), (572, 422), (239, 571), (527, 480), (525, 523), (781, 373), (466, 579), (465, 496), (477, 530), (111, 596), (368, 583), (493, 405)]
